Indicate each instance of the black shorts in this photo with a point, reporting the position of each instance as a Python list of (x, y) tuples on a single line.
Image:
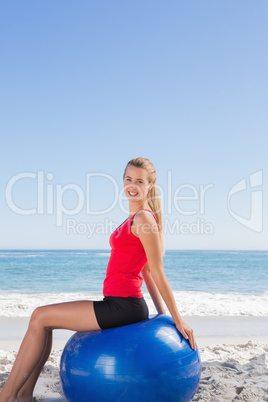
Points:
[(118, 311)]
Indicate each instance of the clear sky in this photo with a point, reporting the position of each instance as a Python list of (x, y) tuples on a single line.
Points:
[(88, 85)]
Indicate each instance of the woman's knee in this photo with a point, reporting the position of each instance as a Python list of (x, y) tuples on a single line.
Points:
[(38, 318)]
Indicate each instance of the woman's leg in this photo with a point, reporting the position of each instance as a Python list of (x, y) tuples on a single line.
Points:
[(26, 392), (76, 316)]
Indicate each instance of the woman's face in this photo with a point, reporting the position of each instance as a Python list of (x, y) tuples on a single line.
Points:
[(136, 185)]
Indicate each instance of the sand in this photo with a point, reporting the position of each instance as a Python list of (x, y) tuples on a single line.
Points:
[(233, 350)]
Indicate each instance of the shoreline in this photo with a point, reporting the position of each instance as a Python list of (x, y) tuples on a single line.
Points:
[(208, 331)]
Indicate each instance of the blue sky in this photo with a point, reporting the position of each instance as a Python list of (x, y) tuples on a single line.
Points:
[(86, 86)]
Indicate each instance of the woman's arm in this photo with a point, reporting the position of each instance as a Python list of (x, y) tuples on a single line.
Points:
[(152, 289), (145, 228)]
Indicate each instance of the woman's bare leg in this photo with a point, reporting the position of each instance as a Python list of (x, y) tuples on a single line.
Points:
[(26, 392), (76, 316)]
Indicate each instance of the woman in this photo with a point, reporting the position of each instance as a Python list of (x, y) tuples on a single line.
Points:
[(136, 249)]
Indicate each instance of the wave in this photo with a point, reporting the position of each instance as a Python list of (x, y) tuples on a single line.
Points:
[(17, 255), (189, 303)]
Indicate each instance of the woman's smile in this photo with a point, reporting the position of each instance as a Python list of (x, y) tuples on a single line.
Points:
[(132, 194)]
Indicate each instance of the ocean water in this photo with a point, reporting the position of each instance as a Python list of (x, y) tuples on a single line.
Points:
[(203, 282)]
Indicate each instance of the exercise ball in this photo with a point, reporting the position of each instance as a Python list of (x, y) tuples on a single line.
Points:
[(147, 361)]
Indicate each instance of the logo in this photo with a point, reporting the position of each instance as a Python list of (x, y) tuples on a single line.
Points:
[(255, 220)]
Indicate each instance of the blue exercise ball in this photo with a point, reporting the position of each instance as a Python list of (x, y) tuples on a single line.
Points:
[(147, 361)]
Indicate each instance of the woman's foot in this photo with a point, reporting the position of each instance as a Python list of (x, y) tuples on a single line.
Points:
[(25, 398), (6, 398)]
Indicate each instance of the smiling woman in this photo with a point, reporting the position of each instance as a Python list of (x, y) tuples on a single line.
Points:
[(137, 248)]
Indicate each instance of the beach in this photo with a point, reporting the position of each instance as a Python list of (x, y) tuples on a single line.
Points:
[(233, 350), (225, 301)]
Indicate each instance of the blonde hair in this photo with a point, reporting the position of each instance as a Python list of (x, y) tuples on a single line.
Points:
[(153, 196)]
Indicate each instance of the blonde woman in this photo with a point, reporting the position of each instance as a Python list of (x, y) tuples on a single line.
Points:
[(136, 249)]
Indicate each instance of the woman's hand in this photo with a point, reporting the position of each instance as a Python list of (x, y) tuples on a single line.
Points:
[(187, 333)]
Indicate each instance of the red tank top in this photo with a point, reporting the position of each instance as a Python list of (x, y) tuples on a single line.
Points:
[(127, 259)]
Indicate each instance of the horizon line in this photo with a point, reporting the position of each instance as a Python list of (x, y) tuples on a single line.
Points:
[(106, 249)]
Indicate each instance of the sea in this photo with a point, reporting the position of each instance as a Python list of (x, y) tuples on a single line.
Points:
[(204, 282)]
